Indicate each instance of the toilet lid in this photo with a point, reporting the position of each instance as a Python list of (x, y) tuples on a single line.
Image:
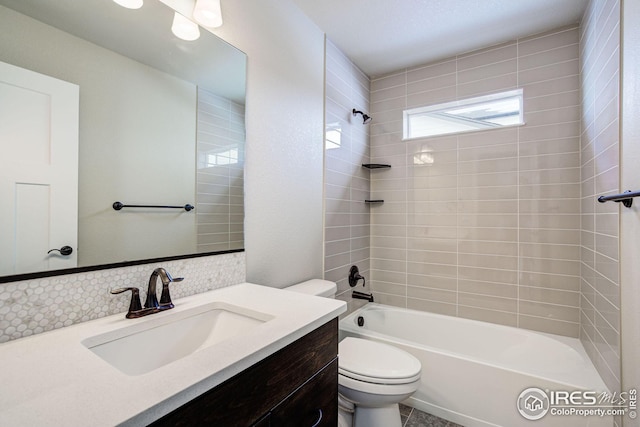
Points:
[(376, 362)]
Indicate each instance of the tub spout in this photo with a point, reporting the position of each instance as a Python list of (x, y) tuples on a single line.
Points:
[(362, 295)]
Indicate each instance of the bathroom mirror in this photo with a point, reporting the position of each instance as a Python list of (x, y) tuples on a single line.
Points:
[(161, 123)]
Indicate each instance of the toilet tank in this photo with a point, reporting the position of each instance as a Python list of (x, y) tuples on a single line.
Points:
[(318, 287)]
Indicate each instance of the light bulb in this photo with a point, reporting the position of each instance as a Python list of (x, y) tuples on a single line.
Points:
[(184, 28), (208, 13), (130, 4)]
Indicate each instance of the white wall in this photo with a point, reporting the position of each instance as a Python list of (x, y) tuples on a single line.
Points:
[(630, 218), (284, 151)]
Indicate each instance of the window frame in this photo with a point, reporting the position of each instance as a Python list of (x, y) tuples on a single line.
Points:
[(467, 102)]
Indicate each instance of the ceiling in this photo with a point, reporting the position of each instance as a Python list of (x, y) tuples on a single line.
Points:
[(381, 36)]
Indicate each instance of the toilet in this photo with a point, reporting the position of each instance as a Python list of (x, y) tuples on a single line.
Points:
[(372, 377)]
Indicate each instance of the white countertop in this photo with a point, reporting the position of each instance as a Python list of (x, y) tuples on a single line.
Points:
[(52, 379)]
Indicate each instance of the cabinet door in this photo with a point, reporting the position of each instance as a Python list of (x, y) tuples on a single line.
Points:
[(263, 422), (314, 404), (248, 396)]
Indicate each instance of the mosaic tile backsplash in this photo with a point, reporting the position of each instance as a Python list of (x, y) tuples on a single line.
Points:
[(31, 307)]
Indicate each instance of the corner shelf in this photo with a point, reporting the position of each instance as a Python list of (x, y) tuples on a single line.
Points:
[(375, 166)]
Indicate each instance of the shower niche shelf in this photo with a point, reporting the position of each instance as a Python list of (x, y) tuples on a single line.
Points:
[(376, 166)]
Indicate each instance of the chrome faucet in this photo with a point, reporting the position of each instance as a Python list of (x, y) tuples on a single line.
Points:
[(151, 305)]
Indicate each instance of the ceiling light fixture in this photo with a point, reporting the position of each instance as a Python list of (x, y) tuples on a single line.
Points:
[(208, 13), (184, 28), (130, 4)]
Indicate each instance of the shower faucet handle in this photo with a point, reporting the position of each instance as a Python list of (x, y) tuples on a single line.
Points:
[(354, 276)]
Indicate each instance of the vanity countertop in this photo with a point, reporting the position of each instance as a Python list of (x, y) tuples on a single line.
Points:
[(52, 379)]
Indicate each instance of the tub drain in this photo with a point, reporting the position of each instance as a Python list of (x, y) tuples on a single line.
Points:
[(360, 321)]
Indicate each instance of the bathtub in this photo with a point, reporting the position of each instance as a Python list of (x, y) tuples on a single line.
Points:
[(473, 372)]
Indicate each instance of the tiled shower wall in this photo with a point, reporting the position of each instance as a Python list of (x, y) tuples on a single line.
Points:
[(346, 181), (220, 176), (483, 225), (600, 159)]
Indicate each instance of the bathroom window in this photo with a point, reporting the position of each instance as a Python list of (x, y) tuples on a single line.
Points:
[(467, 115)]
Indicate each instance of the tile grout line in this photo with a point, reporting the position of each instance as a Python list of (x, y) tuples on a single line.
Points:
[(408, 416)]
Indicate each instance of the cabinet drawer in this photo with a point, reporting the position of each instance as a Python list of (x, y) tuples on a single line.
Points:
[(315, 404)]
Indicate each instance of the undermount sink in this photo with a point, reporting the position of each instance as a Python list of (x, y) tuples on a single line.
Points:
[(144, 347)]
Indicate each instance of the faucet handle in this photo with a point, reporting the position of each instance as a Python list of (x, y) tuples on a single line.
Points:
[(165, 297), (172, 279), (354, 276), (135, 304)]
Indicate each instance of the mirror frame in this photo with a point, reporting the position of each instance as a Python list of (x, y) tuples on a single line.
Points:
[(76, 270)]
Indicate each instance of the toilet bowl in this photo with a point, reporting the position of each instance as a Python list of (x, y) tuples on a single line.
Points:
[(376, 377), (372, 377)]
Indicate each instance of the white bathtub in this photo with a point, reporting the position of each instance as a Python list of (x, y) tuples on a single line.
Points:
[(473, 372)]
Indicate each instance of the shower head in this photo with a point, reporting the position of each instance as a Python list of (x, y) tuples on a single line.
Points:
[(365, 118)]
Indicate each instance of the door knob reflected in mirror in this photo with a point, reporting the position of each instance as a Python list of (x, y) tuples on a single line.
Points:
[(65, 250)]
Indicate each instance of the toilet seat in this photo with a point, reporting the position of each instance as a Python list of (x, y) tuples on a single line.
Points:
[(376, 363), (351, 389), (381, 381)]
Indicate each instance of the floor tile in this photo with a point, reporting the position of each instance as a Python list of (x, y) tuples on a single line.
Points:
[(405, 411), (416, 418)]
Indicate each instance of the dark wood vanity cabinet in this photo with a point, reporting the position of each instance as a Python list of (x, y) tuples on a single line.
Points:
[(296, 386), (313, 404)]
